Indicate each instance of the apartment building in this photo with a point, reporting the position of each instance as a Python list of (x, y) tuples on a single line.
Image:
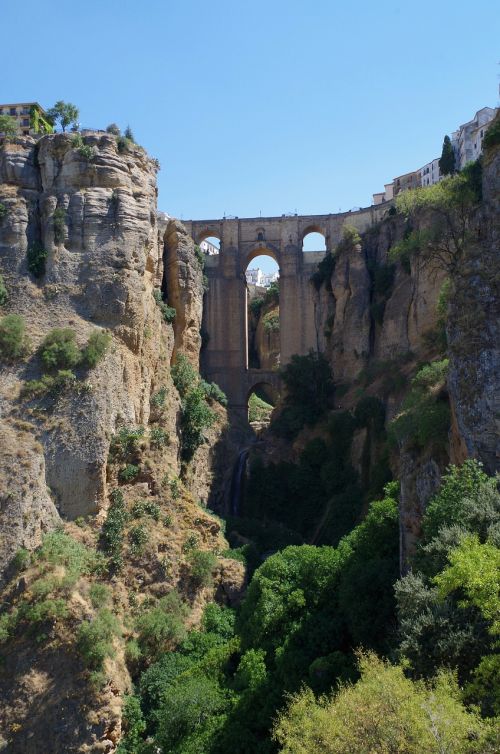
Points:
[(30, 116)]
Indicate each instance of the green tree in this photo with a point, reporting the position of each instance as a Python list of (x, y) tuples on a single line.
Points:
[(8, 126), (64, 113), (383, 712), (113, 129), (447, 159)]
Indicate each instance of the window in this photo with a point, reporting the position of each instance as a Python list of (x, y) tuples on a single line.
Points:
[(26, 111), (13, 111), (26, 122)]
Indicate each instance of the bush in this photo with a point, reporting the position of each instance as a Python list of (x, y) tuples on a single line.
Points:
[(138, 537), (96, 347), (256, 305), (163, 626), (37, 256), (271, 322), (125, 443), (168, 312), (123, 144), (13, 340), (213, 392), (158, 438), (184, 374), (113, 529), (196, 418), (99, 594), (425, 414), (130, 472), (3, 212), (3, 292), (158, 399), (95, 638), (59, 349), (113, 129), (201, 566), (146, 508), (59, 224), (53, 385)]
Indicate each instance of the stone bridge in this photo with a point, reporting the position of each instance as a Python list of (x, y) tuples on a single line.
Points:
[(225, 356)]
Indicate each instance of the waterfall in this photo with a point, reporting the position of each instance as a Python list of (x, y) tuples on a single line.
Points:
[(237, 480)]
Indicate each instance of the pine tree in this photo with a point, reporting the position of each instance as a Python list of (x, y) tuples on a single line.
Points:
[(447, 161)]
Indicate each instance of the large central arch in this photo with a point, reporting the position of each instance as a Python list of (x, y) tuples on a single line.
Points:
[(224, 357)]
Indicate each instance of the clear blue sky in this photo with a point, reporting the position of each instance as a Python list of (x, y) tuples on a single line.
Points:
[(263, 106)]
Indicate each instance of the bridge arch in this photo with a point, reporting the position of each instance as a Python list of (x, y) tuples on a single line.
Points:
[(261, 249), (317, 238)]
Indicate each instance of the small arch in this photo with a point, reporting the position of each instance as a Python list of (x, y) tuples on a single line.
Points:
[(209, 244), (262, 399), (314, 239)]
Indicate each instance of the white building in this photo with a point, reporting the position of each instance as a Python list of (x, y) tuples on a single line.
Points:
[(209, 248), (431, 173), (269, 277), (468, 139), (255, 276)]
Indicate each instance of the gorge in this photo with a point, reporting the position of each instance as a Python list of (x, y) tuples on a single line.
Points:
[(175, 581)]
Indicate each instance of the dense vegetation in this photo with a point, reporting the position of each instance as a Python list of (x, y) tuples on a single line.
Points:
[(308, 613)]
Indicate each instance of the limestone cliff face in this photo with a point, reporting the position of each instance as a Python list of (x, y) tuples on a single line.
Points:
[(183, 286), (93, 210), (474, 333), (361, 324)]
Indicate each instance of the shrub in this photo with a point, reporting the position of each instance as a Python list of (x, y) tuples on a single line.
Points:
[(99, 594), (125, 443), (309, 384), (159, 438), (59, 349), (162, 627), (37, 256), (256, 305), (425, 414), (158, 399), (271, 322), (3, 212), (196, 418), (59, 224), (3, 292), (146, 508), (53, 385), (192, 540), (95, 638), (213, 392), (97, 345), (138, 537), (113, 529), (13, 340), (113, 129), (123, 144), (184, 374), (130, 472), (168, 312), (450, 506), (201, 566)]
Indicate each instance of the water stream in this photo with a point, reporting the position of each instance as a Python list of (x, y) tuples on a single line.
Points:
[(237, 481)]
